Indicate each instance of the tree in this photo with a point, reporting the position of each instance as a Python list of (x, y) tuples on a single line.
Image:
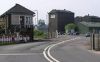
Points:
[(70, 27), (42, 26)]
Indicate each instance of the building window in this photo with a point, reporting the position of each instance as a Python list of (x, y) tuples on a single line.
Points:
[(22, 21), (26, 19), (52, 16), (29, 20)]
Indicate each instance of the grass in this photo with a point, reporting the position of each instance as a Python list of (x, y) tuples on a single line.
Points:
[(7, 43), (40, 37), (40, 34)]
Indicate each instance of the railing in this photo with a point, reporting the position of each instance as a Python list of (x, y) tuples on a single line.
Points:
[(13, 39)]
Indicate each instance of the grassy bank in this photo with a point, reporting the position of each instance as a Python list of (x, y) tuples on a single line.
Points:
[(7, 43)]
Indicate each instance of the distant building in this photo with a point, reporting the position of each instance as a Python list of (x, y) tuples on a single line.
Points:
[(87, 18), (18, 19), (88, 23), (57, 21)]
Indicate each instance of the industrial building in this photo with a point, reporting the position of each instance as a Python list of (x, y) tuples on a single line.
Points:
[(88, 23), (57, 21)]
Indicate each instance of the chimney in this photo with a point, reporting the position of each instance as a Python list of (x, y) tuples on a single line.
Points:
[(64, 9), (88, 14)]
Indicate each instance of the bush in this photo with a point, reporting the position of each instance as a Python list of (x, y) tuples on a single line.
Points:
[(70, 27), (39, 34)]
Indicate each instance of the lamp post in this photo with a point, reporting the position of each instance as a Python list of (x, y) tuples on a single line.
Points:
[(36, 15)]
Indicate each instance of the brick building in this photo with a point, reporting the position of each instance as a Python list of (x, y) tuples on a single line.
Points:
[(18, 19), (57, 21)]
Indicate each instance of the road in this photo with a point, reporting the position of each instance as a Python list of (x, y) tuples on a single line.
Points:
[(29, 52), (74, 51), (66, 50)]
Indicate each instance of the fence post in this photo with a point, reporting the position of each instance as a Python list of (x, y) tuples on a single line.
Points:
[(96, 42), (93, 41)]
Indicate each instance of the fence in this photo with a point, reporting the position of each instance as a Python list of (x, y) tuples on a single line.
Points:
[(13, 39), (95, 41)]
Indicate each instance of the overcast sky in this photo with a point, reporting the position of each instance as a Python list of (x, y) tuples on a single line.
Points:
[(79, 7)]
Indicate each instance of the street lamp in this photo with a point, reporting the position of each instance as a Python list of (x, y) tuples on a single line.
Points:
[(36, 15)]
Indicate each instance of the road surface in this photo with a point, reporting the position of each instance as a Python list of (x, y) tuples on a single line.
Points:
[(69, 51), (28, 52), (73, 51)]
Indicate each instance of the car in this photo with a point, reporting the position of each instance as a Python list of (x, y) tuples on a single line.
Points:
[(87, 35), (68, 33), (76, 33)]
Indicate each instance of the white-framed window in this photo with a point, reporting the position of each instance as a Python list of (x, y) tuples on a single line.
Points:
[(28, 20), (52, 16)]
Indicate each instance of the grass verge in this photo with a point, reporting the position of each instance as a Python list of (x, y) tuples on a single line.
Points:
[(7, 43)]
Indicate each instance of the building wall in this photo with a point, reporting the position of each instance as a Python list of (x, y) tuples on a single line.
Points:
[(64, 19), (87, 19), (2, 23), (94, 29), (2, 26), (15, 19), (52, 25), (13, 25), (82, 28)]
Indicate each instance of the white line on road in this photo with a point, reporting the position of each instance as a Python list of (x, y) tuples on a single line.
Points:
[(13, 54), (47, 54)]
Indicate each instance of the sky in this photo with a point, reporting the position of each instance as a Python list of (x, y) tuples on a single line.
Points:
[(79, 7)]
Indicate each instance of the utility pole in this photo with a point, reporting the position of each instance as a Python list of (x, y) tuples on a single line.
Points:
[(36, 15)]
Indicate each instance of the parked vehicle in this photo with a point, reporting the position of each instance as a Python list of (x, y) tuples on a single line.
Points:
[(76, 33), (87, 34)]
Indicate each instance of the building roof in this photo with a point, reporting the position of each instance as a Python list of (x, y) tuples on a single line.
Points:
[(18, 9), (91, 24), (56, 11), (88, 19)]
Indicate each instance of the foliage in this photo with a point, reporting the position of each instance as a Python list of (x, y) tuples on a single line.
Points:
[(39, 34), (70, 26), (7, 43), (41, 22), (42, 26)]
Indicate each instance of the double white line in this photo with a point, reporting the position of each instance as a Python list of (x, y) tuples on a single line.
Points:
[(47, 54)]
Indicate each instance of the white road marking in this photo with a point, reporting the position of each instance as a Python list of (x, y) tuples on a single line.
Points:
[(45, 55), (13, 54), (48, 48)]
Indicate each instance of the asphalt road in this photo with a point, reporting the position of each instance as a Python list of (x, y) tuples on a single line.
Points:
[(74, 51), (28, 52), (31, 52), (70, 51)]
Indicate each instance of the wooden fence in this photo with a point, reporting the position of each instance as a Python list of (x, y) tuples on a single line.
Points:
[(95, 41), (13, 39)]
